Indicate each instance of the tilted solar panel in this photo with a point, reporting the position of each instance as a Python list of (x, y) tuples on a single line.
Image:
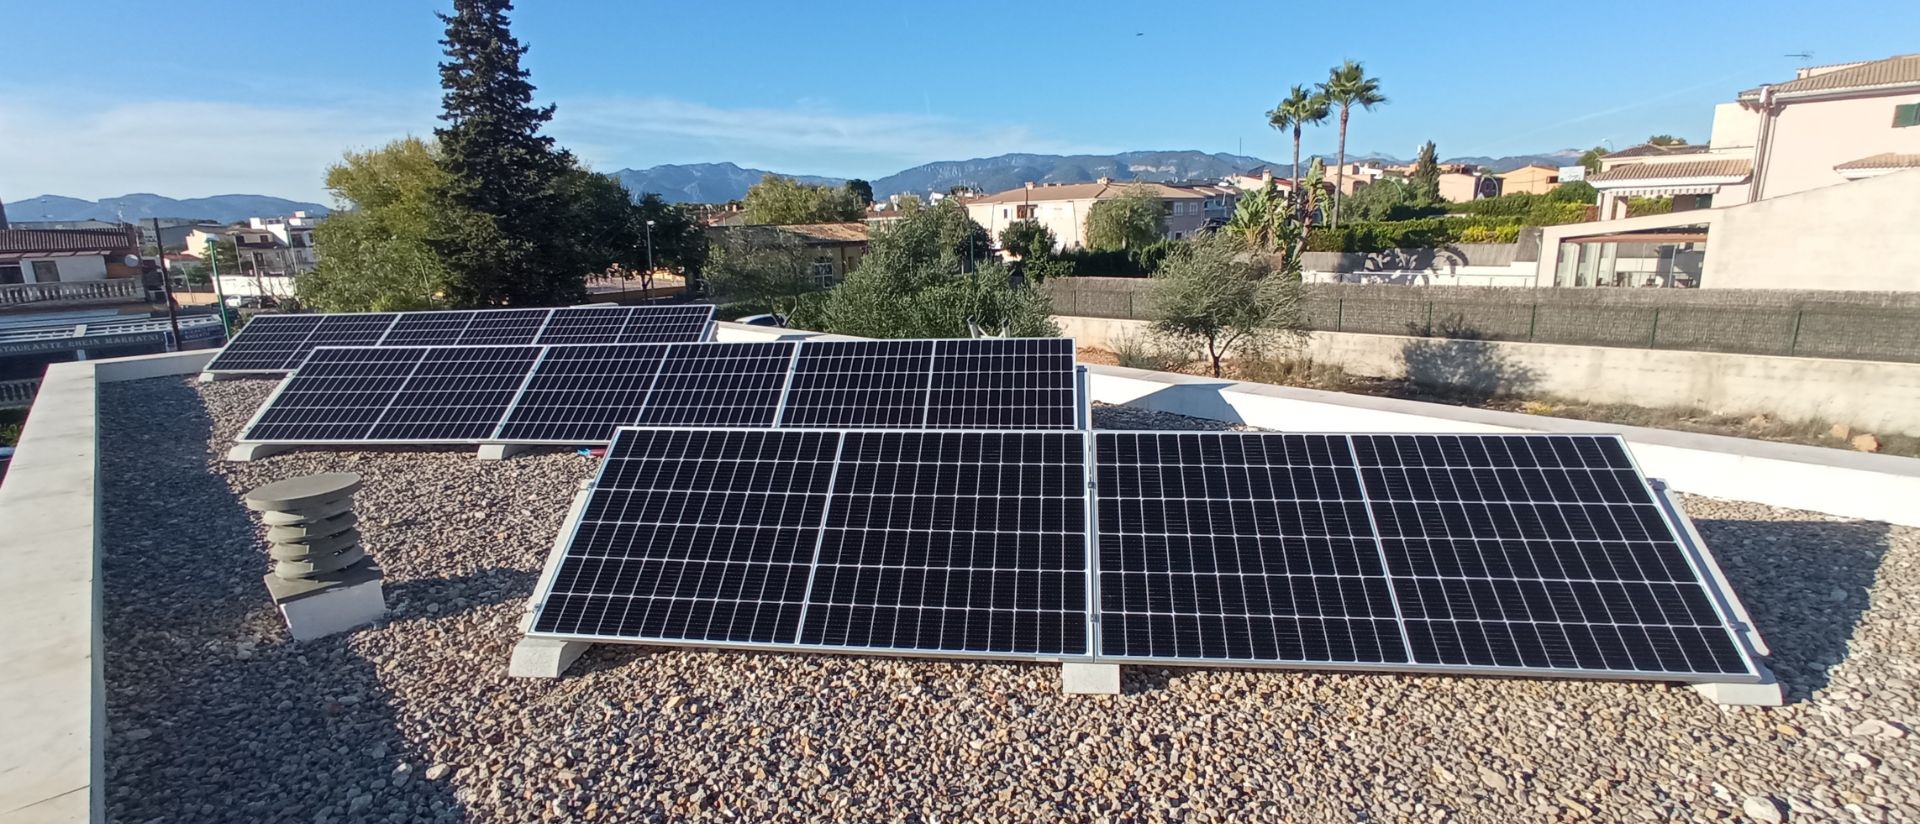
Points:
[(575, 394), (782, 538), (1531, 554), (280, 343)]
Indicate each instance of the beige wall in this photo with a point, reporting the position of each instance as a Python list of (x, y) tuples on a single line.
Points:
[(1734, 127), (1067, 219), (1857, 236), (1809, 139), (1531, 180), (1456, 187)]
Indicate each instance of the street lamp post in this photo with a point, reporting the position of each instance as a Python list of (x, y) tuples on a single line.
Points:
[(646, 280)]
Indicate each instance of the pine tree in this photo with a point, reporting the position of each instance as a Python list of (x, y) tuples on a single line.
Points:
[(500, 238), (1426, 174)]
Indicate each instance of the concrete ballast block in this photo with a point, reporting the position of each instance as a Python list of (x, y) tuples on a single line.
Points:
[(544, 657), (333, 610), (1089, 679)]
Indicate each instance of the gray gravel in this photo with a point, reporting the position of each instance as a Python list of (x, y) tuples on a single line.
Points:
[(215, 715)]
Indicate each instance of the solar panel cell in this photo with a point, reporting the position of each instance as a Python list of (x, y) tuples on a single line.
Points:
[(429, 329), (505, 327), (599, 324), (666, 324)]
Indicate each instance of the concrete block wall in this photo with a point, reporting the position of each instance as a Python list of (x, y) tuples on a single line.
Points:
[(1872, 396)]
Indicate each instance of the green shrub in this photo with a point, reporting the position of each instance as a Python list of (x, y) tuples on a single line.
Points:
[(1145, 352)]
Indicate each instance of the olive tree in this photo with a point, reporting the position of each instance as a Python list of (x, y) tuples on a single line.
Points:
[(1216, 295)]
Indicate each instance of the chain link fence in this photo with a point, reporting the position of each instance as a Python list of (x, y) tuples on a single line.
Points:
[(1883, 326)]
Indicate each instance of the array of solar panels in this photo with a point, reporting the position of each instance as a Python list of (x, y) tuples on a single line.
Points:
[(281, 343), (1512, 554), (579, 393)]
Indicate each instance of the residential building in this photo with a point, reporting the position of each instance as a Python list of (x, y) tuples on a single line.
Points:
[(1532, 179), (280, 246), (1063, 208), (835, 248), (67, 255), (1221, 199), (1829, 131)]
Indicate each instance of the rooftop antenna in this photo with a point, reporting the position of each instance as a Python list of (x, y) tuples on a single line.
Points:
[(1804, 56)]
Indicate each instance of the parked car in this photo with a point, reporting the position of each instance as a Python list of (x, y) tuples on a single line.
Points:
[(762, 320)]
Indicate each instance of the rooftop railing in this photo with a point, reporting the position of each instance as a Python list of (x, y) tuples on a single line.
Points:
[(111, 290)]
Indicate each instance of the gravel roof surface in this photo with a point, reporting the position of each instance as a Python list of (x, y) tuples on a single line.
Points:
[(215, 715)]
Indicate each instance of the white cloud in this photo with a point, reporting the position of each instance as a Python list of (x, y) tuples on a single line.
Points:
[(194, 148), (187, 148)]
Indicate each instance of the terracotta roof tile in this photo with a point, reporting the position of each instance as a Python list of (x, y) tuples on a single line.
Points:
[(1884, 160), (1650, 150), (1902, 70), (1665, 171), (854, 232), (67, 240), (1083, 191)]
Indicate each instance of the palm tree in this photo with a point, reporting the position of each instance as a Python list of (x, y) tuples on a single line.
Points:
[(1302, 108), (1348, 86)]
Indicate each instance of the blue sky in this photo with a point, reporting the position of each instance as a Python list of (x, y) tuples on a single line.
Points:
[(219, 97)]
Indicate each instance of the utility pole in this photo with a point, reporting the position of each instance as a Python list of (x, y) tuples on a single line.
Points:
[(166, 284), (646, 281), (220, 297)]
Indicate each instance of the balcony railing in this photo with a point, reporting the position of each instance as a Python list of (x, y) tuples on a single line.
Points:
[(18, 394), (111, 290)]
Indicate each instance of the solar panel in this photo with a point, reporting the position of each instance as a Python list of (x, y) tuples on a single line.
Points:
[(1248, 548), (959, 541), (569, 394), (455, 394), (667, 324), (265, 343), (585, 325), (860, 383), (504, 327), (1538, 552), (580, 394), (279, 343), (719, 384), (338, 395), (429, 329), (795, 537), (1530, 554), (1020, 383)]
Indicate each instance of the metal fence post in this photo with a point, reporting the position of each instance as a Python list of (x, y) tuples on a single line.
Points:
[(1429, 318), (1794, 345), (1340, 314), (1653, 335), (1130, 314), (1533, 321)]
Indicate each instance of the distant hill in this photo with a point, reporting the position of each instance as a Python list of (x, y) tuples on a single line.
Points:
[(138, 206), (701, 182), (1008, 171), (721, 182)]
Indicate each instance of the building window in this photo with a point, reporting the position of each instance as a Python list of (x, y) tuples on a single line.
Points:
[(1906, 115), (823, 272), (46, 271), (10, 273), (1026, 212)]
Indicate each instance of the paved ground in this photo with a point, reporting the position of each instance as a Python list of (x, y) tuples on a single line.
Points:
[(217, 716)]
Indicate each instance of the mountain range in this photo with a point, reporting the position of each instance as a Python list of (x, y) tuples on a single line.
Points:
[(721, 182), (141, 205)]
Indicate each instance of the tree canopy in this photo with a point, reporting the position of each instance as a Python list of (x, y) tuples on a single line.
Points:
[(1131, 221), (1029, 239), (785, 201), (1214, 297), (1666, 140), (922, 277), (506, 240), (861, 190), (1347, 85), (762, 268), (373, 252)]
